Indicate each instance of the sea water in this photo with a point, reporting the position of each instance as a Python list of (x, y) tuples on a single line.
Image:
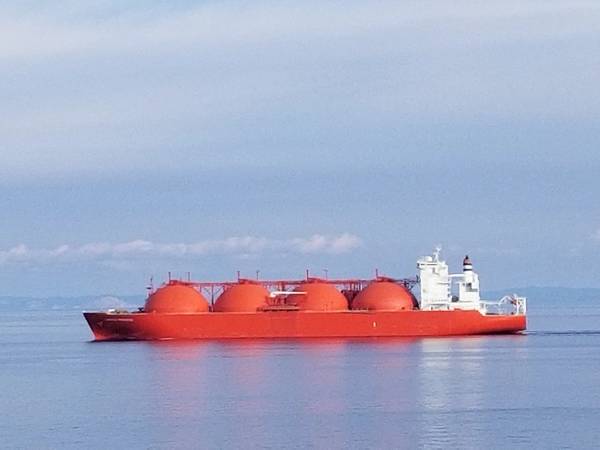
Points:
[(59, 390)]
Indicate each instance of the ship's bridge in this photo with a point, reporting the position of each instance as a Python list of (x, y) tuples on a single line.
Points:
[(438, 286)]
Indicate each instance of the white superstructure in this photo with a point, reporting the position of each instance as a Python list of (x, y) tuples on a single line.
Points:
[(444, 291)]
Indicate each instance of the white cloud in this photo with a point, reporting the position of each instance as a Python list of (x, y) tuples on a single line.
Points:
[(323, 244), (47, 33), (596, 235), (114, 255), (236, 82)]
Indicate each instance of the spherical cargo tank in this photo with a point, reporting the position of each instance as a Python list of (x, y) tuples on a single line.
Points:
[(176, 297), (245, 296), (384, 295), (317, 295)]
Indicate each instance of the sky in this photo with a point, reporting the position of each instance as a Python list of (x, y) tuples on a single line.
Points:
[(138, 138)]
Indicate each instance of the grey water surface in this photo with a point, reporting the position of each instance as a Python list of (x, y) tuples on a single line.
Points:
[(59, 390)]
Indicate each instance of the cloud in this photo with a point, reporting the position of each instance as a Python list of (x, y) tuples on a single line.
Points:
[(323, 244), (222, 24), (596, 235), (223, 83), (119, 254)]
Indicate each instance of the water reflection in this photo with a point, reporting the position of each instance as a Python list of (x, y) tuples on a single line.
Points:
[(458, 388), (382, 393), (538, 390), (177, 381)]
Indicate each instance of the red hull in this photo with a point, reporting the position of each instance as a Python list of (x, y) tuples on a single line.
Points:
[(212, 325)]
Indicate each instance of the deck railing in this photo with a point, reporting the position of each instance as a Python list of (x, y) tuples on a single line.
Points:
[(507, 305)]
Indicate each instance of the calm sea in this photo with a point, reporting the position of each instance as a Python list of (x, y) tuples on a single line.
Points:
[(58, 390)]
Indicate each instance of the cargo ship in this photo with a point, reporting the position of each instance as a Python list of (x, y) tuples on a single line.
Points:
[(447, 305)]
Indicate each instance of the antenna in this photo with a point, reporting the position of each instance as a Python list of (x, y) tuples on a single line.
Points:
[(150, 286)]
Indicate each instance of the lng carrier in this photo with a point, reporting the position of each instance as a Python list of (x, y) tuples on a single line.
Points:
[(448, 305)]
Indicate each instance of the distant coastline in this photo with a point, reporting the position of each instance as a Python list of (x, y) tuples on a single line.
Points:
[(78, 303), (547, 296)]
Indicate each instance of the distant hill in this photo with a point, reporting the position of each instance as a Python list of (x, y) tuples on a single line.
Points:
[(83, 303), (550, 296)]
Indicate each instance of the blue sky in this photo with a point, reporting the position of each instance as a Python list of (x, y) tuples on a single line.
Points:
[(142, 137)]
